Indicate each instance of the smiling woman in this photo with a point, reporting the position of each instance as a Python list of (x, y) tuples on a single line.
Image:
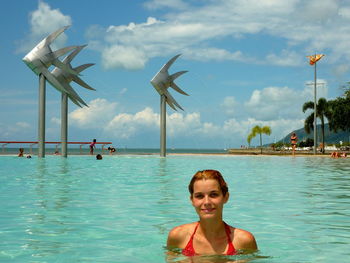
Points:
[(210, 235)]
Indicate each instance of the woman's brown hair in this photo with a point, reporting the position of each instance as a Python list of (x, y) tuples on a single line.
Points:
[(208, 174)]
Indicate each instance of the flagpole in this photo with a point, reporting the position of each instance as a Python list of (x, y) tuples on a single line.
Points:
[(315, 109), (313, 61)]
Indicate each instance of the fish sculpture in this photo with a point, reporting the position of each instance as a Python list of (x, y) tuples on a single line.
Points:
[(65, 77), (41, 57), (162, 81)]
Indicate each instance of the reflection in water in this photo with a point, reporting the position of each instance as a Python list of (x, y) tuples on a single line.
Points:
[(48, 220), (166, 194), (162, 167), (325, 195), (175, 256)]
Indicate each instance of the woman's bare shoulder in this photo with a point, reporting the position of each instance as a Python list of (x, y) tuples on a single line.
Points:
[(243, 239), (179, 234)]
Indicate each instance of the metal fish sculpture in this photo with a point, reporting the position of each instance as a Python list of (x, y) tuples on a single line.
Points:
[(162, 81), (41, 57), (65, 77)]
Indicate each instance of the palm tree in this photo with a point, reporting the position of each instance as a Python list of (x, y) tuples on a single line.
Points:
[(249, 138), (259, 130), (323, 111)]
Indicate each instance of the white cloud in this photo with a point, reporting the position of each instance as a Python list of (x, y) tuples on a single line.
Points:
[(318, 11), (184, 125), (159, 4), (322, 89), (277, 107), (341, 69), (123, 57), (344, 12), (22, 125), (286, 58), (56, 120), (229, 105), (190, 125), (268, 103), (123, 91), (20, 130), (43, 22), (126, 125), (215, 54), (306, 26), (99, 112), (273, 103), (234, 127), (102, 118)]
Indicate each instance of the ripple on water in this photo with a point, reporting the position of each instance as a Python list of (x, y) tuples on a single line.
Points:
[(121, 208)]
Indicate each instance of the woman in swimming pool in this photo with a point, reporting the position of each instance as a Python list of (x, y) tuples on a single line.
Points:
[(210, 235)]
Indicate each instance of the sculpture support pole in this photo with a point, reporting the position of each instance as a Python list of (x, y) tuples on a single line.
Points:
[(162, 126), (41, 123), (64, 124), (315, 110)]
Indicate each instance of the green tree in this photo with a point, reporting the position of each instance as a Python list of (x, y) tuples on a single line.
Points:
[(259, 130), (249, 139), (323, 110), (340, 108)]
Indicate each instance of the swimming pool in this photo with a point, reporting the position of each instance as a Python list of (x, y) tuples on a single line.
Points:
[(121, 208)]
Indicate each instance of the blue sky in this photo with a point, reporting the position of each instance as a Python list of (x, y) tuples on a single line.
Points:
[(246, 60)]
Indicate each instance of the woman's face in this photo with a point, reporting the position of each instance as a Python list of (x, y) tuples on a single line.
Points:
[(208, 199)]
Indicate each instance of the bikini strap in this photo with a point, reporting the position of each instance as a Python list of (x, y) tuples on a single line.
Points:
[(231, 249), (189, 249), (228, 232), (195, 229)]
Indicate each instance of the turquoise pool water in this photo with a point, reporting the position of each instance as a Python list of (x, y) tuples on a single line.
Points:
[(121, 208)]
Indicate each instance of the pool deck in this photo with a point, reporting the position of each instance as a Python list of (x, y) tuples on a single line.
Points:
[(257, 151)]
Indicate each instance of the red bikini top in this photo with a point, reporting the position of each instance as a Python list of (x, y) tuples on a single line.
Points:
[(189, 249)]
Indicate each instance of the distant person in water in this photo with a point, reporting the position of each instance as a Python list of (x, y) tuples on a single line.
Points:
[(293, 141), (98, 157), (210, 235), (111, 150), (21, 152), (92, 146)]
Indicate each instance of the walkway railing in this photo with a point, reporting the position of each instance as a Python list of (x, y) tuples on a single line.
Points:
[(32, 143)]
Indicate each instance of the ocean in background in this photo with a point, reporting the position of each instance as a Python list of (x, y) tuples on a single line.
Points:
[(85, 150)]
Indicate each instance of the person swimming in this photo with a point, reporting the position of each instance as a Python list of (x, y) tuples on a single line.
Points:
[(111, 150), (210, 235)]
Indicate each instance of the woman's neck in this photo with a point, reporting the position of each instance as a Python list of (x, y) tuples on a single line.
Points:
[(211, 228)]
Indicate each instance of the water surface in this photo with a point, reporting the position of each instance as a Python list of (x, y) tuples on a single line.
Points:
[(121, 208)]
